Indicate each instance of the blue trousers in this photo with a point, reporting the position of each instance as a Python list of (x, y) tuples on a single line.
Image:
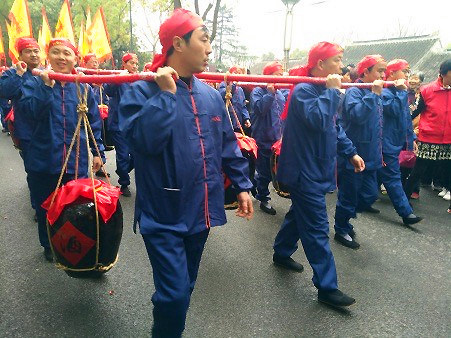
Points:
[(124, 159), (307, 220), (355, 191), (263, 175), (24, 145), (390, 176), (175, 260), (41, 186)]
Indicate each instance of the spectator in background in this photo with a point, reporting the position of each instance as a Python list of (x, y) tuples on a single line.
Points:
[(434, 137)]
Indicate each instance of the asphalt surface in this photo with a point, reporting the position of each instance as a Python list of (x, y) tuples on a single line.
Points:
[(400, 277)]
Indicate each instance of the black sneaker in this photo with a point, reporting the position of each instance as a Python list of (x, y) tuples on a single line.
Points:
[(411, 219), (125, 191), (48, 254), (352, 233), (109, 148), (287, 263), (370, 210), (266, 207), (335, 298), (349, 244)]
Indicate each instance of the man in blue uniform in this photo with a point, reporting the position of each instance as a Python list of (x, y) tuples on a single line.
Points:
[(397, 132), (311, 140), (124, 158), (53, 107), (181, 138), (11, 84), (361, 119), (267, 106), (238, 103)]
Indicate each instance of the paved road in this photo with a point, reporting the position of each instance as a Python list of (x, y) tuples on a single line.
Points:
[(400, 278)]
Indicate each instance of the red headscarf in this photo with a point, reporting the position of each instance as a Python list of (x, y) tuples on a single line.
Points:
[(233, 70), (147, 67), (181, 22), (88, 57), (321, 51), (63, 42), (272, 67), (22, 43), (367, 62), (395, 65), (128, 57)]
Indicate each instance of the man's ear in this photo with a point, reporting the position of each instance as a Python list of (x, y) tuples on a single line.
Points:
[(177, 43), (320, 64)]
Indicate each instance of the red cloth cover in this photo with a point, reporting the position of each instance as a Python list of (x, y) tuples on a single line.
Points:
[(367, 62), (10, 116), (22, 43), (181, 22), (107, 197), (247, 143)]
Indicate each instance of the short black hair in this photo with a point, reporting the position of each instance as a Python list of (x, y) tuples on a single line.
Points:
[(351, 65), (445, 67), (420, 75), (369, 71), (344, 70), (187, 38)]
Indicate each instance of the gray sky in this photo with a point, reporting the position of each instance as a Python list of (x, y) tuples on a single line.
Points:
[(261, 22)]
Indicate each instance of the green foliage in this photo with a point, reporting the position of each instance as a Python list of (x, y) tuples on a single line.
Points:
[(298, 54)]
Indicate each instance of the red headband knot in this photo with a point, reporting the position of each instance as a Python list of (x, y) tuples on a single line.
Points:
[(272, 67), (367, 62), (62, 42), (395, 65), (147, 67), (180, 23), (23, 43)]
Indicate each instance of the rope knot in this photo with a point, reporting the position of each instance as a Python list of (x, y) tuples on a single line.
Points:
[(82, 108)]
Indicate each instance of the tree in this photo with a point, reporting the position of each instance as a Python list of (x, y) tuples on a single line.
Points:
[(298, 54)]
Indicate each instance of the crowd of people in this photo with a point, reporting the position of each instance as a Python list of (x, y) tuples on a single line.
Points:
[(179, 138)]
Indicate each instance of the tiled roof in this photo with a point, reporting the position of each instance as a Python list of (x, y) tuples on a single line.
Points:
[(430, 64), (412, 49)]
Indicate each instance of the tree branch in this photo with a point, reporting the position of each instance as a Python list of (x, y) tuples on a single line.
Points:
[(215, 20), (196, 6), (177, 4), (204, 16)]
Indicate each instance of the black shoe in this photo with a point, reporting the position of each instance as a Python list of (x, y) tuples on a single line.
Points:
[(352, 233), (100, 173), (125, 191), (4, 130), (411, 219), (370, 210), (349, 244), (287, 263), (335, 298), (48, 254), (109, 148), (266, 207)]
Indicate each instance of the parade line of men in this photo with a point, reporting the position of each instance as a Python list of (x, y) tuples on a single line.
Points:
[(177, 136)]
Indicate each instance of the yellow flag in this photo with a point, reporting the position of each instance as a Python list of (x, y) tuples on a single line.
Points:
[(100, 39), (83, 45), (64, 27), (20, 26), (45, 35), (2, 50)]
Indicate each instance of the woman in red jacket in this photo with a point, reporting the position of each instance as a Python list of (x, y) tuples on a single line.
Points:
[(434, 138)]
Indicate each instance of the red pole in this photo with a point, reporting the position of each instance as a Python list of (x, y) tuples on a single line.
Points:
[(256, 80)]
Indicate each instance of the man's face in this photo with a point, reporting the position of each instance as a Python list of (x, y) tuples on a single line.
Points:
[(131, 65), (278, 72), (376, 73), (447, 79), (92, 63), (196, 52), (31, 56), (401, 74), (62, 59), (332, 65)]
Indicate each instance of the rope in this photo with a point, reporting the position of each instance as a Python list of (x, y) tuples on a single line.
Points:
[(228, 104), (82, 110)]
